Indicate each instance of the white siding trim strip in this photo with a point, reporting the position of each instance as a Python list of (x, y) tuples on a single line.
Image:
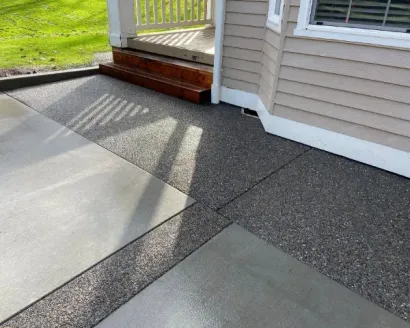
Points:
[(239, 98), (371, 153), (380, 156)]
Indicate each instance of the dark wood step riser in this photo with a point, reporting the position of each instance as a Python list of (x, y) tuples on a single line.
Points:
[(184, 74), (167, 88)]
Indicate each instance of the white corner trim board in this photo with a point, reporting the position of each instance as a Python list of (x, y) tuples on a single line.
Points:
[(367, 152), (219, 36)]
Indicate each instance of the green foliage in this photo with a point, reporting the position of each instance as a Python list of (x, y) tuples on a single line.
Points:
[(62, 33), (56, 33)]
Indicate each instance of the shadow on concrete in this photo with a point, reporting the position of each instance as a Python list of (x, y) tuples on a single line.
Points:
[(211, 153)]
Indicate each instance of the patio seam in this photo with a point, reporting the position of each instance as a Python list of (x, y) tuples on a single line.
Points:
[(100, 261), (175, 187), (261, 180), (229, 222)]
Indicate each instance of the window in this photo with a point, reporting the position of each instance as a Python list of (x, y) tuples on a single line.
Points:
[(387, 15), (275, 13), (380, 22)]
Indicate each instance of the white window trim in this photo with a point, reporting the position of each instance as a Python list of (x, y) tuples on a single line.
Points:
[(274, 21), (377, 37)]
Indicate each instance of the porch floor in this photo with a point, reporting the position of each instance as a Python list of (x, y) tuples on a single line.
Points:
[(192, 44), (277, 232)]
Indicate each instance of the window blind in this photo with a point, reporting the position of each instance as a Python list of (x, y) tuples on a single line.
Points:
[(393, 15)]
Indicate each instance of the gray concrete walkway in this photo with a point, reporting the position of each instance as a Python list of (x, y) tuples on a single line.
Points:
[(238, 280), (345, 220), (65, 204)]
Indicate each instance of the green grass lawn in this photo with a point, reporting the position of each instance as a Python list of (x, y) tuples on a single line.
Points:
[(54, 33), (57, 33)]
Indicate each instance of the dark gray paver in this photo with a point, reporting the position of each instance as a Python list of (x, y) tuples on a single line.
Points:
[(238, 280), (212, 153), (92, 296), (65, 204), (348, 220)]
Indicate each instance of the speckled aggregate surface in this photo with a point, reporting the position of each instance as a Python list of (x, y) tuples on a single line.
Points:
[(92, 296), (345, 219), (212, 153), (238, 280), (348, 220)]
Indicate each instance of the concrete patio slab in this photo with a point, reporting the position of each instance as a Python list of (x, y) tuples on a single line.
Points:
[(348, 220), (238, 280), (89, 298), (66, 204), (212, 153)]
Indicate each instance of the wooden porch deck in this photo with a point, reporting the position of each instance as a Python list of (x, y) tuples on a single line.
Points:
[(196, 45)]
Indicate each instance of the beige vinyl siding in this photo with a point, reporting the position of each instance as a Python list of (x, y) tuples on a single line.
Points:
[(355, 89), (268, 67), (239, 85), (245, 31), (349, 114), (268, 76), (355, 100), (244, 36), (246, 65), (269, 64), (235, 6), (354, 130), (241, 75)]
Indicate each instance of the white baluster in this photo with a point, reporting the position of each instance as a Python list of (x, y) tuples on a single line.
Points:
[(139, 16), (147, 18), (155, 13), (205, 9), (171, 11), (163, 12), (178, 9)]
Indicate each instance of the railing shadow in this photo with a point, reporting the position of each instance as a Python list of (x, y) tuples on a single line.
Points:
[(188, 146)]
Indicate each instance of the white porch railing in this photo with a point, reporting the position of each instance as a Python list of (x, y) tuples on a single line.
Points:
[(126, 17), (158, 14)]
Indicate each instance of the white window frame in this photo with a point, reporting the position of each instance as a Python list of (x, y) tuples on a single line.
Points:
[(368, 36), (274, 21)]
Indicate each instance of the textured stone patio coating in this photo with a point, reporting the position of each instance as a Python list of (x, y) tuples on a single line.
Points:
[(212, 153), (65, 203), (348, 220), (238, 280)]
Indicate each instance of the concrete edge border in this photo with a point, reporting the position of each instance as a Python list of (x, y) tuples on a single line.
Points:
[(21, 81)]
